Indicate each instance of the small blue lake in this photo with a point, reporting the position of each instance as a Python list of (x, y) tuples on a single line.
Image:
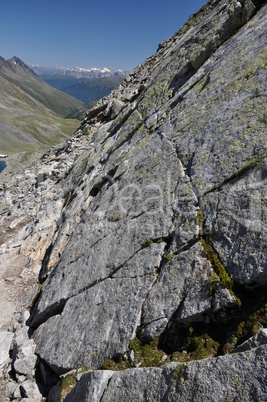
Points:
[(2, 166)]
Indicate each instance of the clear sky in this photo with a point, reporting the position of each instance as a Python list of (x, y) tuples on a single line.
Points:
[(99, 33)]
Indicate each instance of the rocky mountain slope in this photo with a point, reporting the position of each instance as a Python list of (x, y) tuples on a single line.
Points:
[(148, 230)]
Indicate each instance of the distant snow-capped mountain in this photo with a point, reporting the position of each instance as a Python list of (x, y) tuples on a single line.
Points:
[(77, 72)]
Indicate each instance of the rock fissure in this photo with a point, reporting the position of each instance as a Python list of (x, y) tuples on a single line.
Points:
[(180, 93), (57, 309), (237, 175), (187, 246), (157, 273), (108, 179), (102, 397), (150, 223), (115, 127), (155, 320)]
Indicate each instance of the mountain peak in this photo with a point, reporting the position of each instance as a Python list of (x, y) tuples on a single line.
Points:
[(15, 63), (17, 60)]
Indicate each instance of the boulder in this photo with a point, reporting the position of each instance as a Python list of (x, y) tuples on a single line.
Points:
[(29, 390), (220, 379)]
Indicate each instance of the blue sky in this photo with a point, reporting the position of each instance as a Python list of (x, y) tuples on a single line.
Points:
[(113, 34)]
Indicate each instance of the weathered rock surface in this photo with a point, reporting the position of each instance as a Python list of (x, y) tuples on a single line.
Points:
[(148, 227), (220, 379), (115, 329), (6, 339), (253, 342)]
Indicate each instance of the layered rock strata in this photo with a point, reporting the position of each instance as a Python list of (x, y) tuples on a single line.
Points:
[(149, 224)]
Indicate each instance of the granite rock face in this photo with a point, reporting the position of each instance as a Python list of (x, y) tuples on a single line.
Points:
[(149, 224), (217, 380)]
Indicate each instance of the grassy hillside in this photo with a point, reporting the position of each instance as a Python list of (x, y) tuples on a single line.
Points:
[(16, 72), (25, 123), (27, 126)]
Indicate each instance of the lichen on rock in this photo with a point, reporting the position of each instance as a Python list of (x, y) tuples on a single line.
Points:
[(149, 226)]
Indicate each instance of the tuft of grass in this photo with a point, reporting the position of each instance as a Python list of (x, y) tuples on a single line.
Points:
[(147, 243), (66, 386), (169, 256)]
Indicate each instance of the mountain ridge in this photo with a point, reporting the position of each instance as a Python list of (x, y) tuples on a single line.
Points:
[(78, 72), (148, 235)]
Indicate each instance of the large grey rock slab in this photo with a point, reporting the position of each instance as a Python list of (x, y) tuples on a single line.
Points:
[(236, 215), (123, 213), (253, 342), (125, 229), (110, 309), (6, 339), (241, 376)]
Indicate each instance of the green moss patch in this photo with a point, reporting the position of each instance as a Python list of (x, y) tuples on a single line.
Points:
[(147, 243), (138, 355), (169, 256), (66, 386), (225, 278), (200, 221)]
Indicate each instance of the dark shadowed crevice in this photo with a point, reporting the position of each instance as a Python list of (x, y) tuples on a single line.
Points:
[(45, 377), (43, 271), (53, 310), (106, 179), (117, 126), (182, 77)]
